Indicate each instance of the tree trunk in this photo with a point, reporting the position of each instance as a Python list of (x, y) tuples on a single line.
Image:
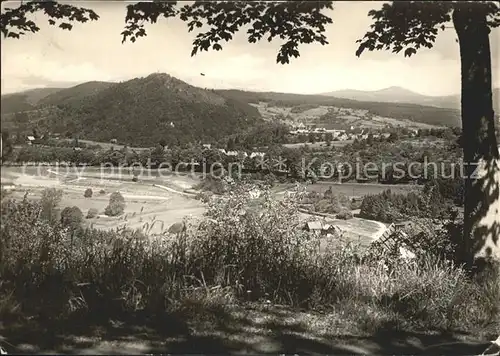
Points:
[(481, 158)]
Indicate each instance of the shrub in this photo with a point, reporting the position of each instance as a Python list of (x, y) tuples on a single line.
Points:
[(71, 217), (51, 197), (116, 205), (345, 215), (4, 193), (88, 193), (330, 203), (92, 213), (212, 184), (327, 206), (270, 179), (135, 179), (204, 196), (102, 192), (355, 204)]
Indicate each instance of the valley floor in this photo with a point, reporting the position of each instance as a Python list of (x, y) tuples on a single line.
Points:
[(155, 203)]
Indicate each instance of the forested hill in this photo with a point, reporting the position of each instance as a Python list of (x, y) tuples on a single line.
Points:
[(142, 111)]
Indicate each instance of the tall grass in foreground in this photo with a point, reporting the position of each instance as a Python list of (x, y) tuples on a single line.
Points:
[(245, 249)]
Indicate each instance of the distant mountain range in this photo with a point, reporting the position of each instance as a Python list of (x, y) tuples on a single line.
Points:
[(402, 95)]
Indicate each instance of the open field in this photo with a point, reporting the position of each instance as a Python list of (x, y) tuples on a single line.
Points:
[(144, 202)]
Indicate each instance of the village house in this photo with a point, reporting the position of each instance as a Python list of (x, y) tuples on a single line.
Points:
[(336, 133), (30, 140), (300, 126), (319, 129)]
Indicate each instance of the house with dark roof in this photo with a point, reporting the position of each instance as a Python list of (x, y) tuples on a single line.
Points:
[(321, 228)]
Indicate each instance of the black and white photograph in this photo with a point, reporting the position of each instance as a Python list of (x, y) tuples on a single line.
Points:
[(250, 177)]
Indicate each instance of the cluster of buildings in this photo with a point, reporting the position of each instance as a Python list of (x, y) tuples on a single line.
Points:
[(233, 153), (338, 135), (301, 129)]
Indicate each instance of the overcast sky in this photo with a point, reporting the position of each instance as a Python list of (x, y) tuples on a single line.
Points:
[(93, 51)]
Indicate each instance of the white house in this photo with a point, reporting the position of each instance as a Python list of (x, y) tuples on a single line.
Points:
[(336, 133), (30, 139), (257, 154)]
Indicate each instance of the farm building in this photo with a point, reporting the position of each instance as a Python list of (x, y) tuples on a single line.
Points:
[(321, 228), (30, 140)]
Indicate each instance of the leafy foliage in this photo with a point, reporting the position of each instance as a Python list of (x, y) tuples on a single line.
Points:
[(296, 22), (92, 213), (71, 217), (116, 205), (49, 201), (405, 25), (410, 25), (7, 145), (345, 214), (328, 203), (14, 22), (88, 193)]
